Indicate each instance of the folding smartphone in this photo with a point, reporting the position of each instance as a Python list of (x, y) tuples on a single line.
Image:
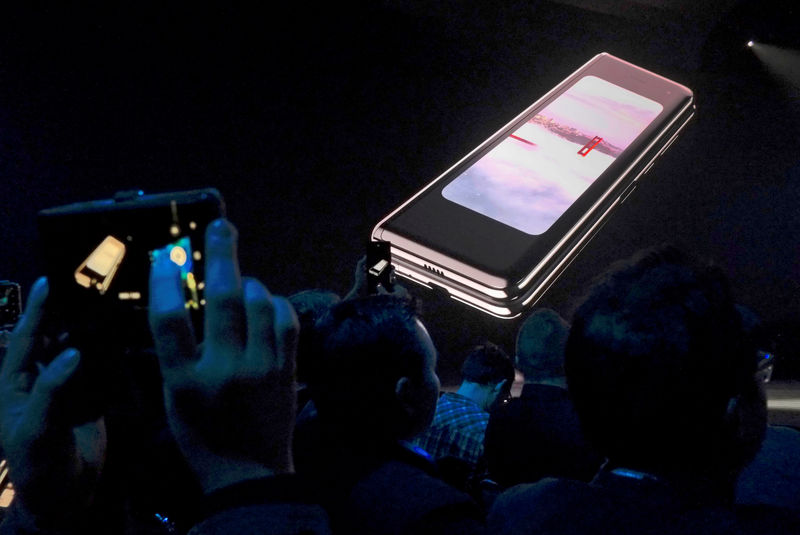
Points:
[(498, 228)]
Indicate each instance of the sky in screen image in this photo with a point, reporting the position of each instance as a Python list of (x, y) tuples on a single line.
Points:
[(530, 178)]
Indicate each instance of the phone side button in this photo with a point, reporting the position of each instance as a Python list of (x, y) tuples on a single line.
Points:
[(628, 191)]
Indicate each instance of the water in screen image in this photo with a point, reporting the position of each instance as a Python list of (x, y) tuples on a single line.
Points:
[(530, 178)]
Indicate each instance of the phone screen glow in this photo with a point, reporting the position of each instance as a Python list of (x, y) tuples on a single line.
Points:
[(530, 178)]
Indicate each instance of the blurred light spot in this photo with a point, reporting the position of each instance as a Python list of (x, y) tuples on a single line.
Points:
[(178, 255)]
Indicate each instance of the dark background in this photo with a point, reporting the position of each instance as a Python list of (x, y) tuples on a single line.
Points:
[(314, 122)]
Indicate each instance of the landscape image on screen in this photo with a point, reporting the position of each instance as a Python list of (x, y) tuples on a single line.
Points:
[(530, 178)]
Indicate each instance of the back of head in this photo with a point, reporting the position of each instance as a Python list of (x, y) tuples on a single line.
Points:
[(363, 347), (310, 306), (488, 364), (655, 356), (540, 345)]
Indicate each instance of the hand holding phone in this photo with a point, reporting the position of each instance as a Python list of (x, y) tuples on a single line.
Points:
[(374, 274), (55, 459), (379, 267)]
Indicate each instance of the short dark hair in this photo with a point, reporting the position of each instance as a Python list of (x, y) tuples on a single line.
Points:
[(487, 364), (540, 345), (654, 355), (363, 347), (310, 306)]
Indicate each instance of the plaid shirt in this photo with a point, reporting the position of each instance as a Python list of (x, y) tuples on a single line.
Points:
[(457, 429)]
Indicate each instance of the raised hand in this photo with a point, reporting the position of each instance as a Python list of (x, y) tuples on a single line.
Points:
[(231, 400), (54, 461)]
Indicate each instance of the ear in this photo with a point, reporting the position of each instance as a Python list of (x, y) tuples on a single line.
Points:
[(403, 393), (732, 415), (499, 386), (746, 413), (746, 417)]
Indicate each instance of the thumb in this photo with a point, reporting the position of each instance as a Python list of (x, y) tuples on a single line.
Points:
[(50, 381)]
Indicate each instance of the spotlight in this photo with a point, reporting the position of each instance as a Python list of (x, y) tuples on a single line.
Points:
[(750, 44)]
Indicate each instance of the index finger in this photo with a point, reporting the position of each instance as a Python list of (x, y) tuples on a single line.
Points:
[(20, 349), (169, 320), (225, 324)]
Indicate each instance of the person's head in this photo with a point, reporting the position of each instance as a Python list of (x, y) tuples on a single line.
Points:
[(660, 369), (310, 306), (374, 373), (487, 373), (540, 347)]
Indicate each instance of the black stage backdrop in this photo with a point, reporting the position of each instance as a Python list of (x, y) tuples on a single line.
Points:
[(316, 122)]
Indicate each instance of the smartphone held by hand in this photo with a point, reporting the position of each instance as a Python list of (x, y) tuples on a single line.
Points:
[(497, 229), (97, 258), (379, 267)]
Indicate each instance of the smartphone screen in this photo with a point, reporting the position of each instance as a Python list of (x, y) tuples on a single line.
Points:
[(97, 272), (10, 304), (530, 179), (98, 256)]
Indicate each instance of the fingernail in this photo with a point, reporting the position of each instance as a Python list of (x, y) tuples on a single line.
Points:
[(254, 290), (39, 285), (284, 311), (39, 291), (67, 360), (162, 260), (222, 227)]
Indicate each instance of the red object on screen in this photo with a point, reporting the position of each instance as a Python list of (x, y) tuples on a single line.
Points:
[(589, 146)]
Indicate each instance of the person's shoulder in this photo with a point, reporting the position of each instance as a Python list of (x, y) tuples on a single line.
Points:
[(455, 400), (521, 508), (404, 494), (460, 410), (768, 519), (545, 488), (773, 476), (781, 437), (275, 518), (282, 504), (401, 480)]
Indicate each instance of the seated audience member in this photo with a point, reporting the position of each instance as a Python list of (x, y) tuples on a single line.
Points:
[(773, 477), (375, 388), (663, 380), (316, 303), (538, 434), (229, 402), (459, 424)]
